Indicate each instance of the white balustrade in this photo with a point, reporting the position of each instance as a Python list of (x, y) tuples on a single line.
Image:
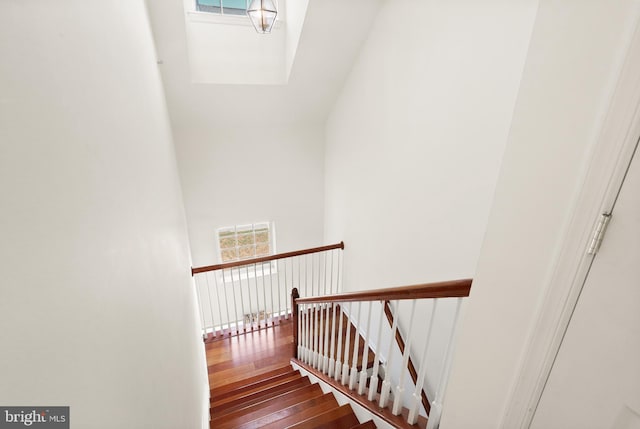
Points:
[(255, 295), (385, 373)]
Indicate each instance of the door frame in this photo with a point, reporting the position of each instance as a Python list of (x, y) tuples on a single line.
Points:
[(610, 157)]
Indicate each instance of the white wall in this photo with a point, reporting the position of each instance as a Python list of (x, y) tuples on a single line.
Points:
[(415, 141), (253, 58), (570, 69), (97, 309), (239, 175)]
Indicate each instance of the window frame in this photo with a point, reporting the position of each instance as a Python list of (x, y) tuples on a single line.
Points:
[(197, 7), (264, 268)]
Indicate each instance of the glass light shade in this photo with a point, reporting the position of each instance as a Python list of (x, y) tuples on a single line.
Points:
[(262, 14)]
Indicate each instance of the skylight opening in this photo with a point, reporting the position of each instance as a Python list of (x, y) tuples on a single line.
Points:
[(223, 7)]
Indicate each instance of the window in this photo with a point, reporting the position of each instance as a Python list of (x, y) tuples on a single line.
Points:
[(223, 7), (240, 242)]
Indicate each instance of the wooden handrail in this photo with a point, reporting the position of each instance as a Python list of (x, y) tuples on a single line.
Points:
[(266, 258), (448, 289)]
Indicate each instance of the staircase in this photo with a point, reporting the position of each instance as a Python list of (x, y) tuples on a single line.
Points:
[(328, 335), (281, 398)]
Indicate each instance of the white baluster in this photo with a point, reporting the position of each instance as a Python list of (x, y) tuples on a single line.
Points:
[(306, 277), (278, 288), (255, 279), (345, 365), (332, 354), (305, 335), (386, 384), (256, 296), (226, 301), (309, 333), (331, 273), (299, 259), (436, 404), (338, 366), (326, 292), (235, 304), (353, 376), (215, 279), (271, 286), (292, 284), (397, 401), (416, 401), (300, 339), (321, 350), (362, 384), (264, 294), (242, 298), (320, 291), (313, 276), (325, 361), (373, 383), (286, 289), (339, 287), (316, 329), (434, 416)]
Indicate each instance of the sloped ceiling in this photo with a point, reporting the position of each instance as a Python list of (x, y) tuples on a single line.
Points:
[(333, 33)]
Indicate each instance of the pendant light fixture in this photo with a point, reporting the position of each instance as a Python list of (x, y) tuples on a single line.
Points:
[(262, 14)]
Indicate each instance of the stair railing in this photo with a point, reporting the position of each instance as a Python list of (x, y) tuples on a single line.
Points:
[(236, 297), (334, 336)]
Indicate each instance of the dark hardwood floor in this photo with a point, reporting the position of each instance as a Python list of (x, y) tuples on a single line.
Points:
[(254, 353)]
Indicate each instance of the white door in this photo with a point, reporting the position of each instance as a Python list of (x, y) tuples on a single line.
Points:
[(595, 380)]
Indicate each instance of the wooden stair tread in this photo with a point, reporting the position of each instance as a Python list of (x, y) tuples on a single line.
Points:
[(232, 397), (257, 397), (253, 388), (222, 389), (337, 418), (266, 408), (290, 415)]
